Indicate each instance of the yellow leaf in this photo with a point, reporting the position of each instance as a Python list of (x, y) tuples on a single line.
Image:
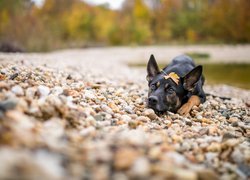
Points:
[(173, 76)]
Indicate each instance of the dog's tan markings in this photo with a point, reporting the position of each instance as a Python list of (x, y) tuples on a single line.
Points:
[(158, 84), (186, 108)]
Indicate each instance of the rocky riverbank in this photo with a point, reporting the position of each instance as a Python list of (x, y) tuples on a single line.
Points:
[(69, 118)]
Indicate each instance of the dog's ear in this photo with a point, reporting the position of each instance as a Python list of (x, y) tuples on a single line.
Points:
[(152, 68), (192, 78)]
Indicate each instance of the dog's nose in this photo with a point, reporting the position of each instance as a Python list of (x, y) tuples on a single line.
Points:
[(153, 100)]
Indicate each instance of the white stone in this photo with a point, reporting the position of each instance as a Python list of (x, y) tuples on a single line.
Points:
[(43, 90), (89, 94), (141, 167), (18, 90)]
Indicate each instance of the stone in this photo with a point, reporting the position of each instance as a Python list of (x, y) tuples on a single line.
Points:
[(89, 111), (8, 104), (214, 147), (233, 119), (188, 122), (37, 164), (185, 174), (124, 158), (13, 76), (140, 167), (143, 119), (214, 103), (87, 131), (199, 117), (128, 109), (230, 142), (31, 92), (99, 117), (114, 107), (18, 90), (2, 77), (245, 169), (150, 113), (227, 136), (4, 85), (212, 130), (70, 92), (206, 174), (133, 124), (237, 156), (125, 118), (89, 94), (57, 90), (91, 121), (155, 153), (43, 91), (106, 109)]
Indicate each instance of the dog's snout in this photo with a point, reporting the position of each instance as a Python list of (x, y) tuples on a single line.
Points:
[(153, 100)]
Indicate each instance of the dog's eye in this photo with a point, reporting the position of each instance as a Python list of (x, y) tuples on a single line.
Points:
[(170, 90), (153, 87)]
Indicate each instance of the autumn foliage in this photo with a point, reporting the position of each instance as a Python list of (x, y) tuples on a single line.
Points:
[(73, 23)]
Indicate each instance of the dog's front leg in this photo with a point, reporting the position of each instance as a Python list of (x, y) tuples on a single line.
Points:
[(186, 108)]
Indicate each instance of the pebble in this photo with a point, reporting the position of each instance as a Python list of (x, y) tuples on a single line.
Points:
[(8, 104), (155, 153), (31, 92), (57, 90), (13, 76), (107, 109), (233, 119), (43, 91), (128, 109), (188, 122), (212, 130), (87, 131), (214, 103), (125, 118), (206, 174), (140, 168), (18, 90), (150, 113), (199, 117), (133, 124), (89, 94), (185, 174), (143, 119), (214, 147), (99, 117), (114, 107), (231, 142), (237, 156), (124, 158), (4, 85)]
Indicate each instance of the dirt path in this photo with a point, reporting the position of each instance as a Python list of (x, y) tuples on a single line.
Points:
[(82, 115)]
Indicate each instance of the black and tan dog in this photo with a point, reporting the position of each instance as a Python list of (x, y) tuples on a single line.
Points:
[(177, 88)]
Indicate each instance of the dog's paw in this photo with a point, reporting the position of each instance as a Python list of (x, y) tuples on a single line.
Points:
[(185, 109)]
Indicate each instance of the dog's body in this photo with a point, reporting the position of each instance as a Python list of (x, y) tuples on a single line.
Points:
[(177, 88)]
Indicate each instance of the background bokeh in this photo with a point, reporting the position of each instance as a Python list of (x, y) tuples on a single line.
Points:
[(75, 23)]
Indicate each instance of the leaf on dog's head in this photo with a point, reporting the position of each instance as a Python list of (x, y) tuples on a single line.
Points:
[(173, 76)]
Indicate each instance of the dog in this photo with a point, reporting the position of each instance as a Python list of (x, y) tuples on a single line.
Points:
[(177, 88)]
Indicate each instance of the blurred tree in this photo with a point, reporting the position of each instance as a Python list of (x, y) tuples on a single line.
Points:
[(228, 20), (74, 23), (136, 16)]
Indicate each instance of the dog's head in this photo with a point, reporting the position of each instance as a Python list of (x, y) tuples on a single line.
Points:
[(167, 91)]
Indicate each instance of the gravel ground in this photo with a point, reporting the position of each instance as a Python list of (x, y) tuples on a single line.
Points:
[(65, 116)]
